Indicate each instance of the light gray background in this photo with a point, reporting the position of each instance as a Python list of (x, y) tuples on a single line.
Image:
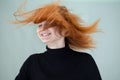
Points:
[(16, 44)]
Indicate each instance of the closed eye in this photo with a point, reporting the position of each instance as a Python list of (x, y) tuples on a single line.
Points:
[(40, 25)]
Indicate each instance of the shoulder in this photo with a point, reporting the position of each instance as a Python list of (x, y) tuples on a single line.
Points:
[(31, 60), (33, 57), (83, 55), (86, 59)]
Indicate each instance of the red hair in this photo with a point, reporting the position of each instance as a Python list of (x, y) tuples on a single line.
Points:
[(77, 35)]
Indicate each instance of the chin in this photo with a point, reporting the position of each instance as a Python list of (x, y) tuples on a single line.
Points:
[(46, 41)]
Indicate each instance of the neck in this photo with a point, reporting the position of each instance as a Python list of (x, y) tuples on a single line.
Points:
[(57, 44)]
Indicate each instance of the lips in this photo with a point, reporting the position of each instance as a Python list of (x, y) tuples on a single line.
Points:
[(45, 34)]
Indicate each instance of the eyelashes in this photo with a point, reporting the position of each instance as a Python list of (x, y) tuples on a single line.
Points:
[(40, 25), (44, 24)]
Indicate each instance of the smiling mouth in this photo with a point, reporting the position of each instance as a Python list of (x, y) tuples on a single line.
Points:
[(45, 34)]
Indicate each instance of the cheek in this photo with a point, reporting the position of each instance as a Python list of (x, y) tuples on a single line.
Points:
[(57, 35), (38, 30), (38, 33)]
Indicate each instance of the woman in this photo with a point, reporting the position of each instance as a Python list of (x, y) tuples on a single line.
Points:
[(62, 32)]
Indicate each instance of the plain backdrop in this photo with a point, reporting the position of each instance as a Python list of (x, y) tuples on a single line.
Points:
[(16, 44)]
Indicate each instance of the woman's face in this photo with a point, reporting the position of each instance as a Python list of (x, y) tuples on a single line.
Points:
[(49, 35)]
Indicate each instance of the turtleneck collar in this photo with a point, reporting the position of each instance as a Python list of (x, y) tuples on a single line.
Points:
[(58, 50)]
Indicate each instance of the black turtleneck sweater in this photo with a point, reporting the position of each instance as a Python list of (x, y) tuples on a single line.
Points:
[(59, 64)]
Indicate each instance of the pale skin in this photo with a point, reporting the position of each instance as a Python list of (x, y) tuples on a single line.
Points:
[(50, 36)]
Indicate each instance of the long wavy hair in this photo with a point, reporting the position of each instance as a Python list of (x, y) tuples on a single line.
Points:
[(78, 35)]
